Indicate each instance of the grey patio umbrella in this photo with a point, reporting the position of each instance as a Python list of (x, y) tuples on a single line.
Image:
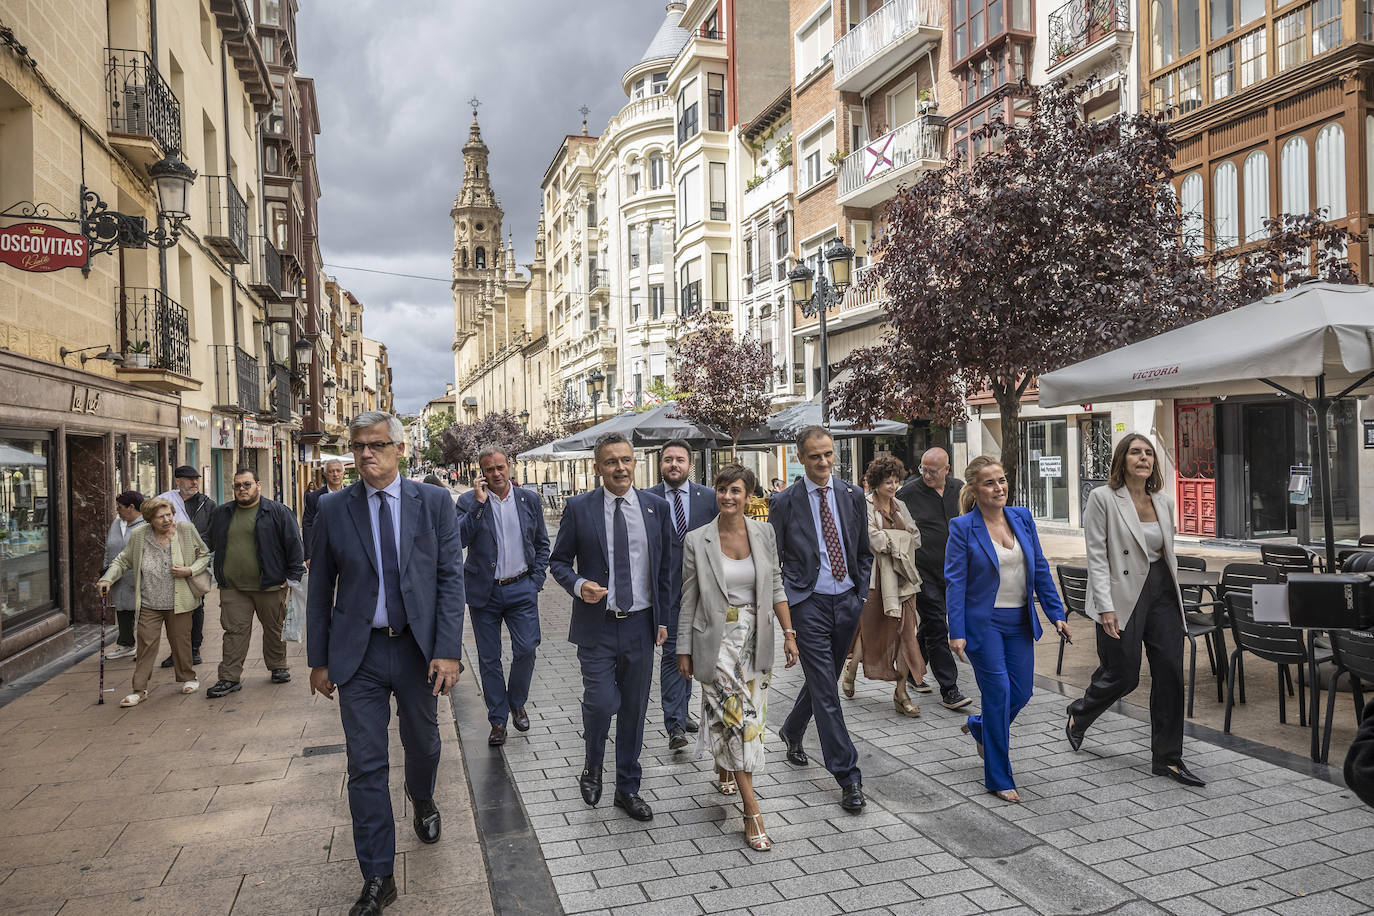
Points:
[(783, 426), (662, 423), (581, 441), (1303, 343)]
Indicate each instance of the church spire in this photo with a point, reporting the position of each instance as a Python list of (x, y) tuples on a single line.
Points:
[(476, 190)]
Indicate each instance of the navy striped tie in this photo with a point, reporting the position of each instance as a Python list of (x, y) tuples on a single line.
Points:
[(624, 584)]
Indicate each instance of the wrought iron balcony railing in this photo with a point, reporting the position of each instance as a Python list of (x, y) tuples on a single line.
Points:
[(1079, 23), (140, 102), (155, 330), (264, 269), (598, 279), (226, 219), (237, 386)]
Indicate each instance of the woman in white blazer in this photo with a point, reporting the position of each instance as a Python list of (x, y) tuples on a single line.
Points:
[(1134, 597), (730, 574)]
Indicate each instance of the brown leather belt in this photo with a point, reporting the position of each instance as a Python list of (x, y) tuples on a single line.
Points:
[(513, 579)]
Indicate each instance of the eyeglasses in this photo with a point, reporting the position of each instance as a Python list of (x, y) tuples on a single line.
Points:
[(374, 447), (244, 486), (930, 472)]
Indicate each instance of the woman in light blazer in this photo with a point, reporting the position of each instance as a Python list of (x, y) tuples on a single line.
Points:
[(1134, 597), (994, 571), (730, 570)]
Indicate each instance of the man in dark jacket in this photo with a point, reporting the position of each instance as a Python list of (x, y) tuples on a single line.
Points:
[(257, 548), (191, 505), (932, 497), (1359, 762), (333, 483)]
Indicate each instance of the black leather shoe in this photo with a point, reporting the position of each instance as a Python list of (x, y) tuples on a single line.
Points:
[(195, 658), (852, 799), (427, 822), (634, 806), (1178, 773), (222, 688), (167, 662), (692, 726), (590, 784), (377, 895), (520, 719), (497, 736), (1074, 735), (677, 739), (795, 755), (281, 676)]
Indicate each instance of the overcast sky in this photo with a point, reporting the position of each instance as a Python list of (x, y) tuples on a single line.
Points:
[(393, 78)]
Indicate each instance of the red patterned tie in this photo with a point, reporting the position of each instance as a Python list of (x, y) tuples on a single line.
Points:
[(833, 547)]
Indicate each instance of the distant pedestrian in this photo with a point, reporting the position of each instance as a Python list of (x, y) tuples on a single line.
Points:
[(621, 536), (994, 571), (123, 597), (257, 549), (730, 575), (886, 640), (1133, 594), (932, 498), (333, 483), (691, 505), (501, 526), (191, 505), (163, 555), (821, 525)]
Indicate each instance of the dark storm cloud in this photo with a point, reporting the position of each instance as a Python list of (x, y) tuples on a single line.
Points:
[(392, 80)]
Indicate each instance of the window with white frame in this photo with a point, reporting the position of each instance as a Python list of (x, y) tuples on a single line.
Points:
[(1224, 205), (633, 243), (655, 241), (688, 106), (1190, 204), (656, 301), (655, 171), (814, 41), (1294, 177), (689, 197), (1331, 171), (717, 188), (814, 151), (1256, 195), (720, 281), (689, 288)]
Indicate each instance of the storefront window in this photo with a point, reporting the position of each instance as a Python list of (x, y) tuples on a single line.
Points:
[(1044, 469), (143, 463), (26, 561)]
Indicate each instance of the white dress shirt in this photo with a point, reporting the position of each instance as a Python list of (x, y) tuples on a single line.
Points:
[(639, 551), (826, 583), (393, 492), (510, 541)]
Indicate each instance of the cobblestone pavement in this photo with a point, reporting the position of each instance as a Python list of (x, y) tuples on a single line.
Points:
[(1096, 832)]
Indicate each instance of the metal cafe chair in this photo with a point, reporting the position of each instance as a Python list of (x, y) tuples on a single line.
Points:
[(1286, 558), (1240, 577), (1273, 642), (1352, 654), (1204, 623), (1073, 588)]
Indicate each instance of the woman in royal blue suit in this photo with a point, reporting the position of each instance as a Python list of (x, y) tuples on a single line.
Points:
[(994, 569)]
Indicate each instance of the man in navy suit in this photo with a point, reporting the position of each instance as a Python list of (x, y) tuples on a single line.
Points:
[(384, 617), (822, 528), (333, 483), (690, 505), (502, 530), (622, 537)]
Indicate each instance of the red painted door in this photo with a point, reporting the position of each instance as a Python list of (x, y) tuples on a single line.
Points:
[(1195, 447)]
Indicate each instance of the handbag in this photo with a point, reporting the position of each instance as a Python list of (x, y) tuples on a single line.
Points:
[(200, 583)]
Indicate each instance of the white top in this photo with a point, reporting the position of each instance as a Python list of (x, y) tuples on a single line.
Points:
[(739, 580), (1011, 565), (1154, 541)]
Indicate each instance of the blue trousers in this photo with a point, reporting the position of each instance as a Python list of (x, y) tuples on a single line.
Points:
[(674, 690), (616, 675), (391, 666), (517, 605), (1004, 665), (825, 627)]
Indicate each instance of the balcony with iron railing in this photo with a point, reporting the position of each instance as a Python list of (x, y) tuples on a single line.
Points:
[(871, 175), (599, 282), (155, 336), (281, 401), (898, 32), (264, 269), (144, 116), (1085, 33), (237, 386), (226, 219)]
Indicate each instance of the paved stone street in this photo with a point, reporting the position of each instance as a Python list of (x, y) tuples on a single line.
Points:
[(1096, 833)]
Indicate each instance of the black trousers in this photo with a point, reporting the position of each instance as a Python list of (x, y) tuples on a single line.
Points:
[(197, 626), (1156, 625), (932, 634)]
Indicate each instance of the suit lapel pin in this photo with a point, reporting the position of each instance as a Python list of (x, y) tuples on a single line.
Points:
[(651, 511)]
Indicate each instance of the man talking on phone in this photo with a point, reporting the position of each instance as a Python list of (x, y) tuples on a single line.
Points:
[(385, 618)]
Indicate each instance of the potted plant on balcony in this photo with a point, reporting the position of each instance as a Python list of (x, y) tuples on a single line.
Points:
[(138, 355), (925, 102)]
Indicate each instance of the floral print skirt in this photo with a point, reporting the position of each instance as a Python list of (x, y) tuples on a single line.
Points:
[(734, 704)]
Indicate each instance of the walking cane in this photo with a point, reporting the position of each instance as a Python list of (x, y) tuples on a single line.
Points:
[(104, 604)]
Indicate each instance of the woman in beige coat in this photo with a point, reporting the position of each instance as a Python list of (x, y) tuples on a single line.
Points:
[(163, 555), (730, 572)]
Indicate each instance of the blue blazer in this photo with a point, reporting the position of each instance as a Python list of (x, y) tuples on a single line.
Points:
[(972, 575), (344, 582), (580, 552), (477, 531), (701, 504), (799, 540)]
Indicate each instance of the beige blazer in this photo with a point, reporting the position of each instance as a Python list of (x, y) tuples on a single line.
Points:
[(894, 557), (187, 550), (1116, 551), (701, 622)]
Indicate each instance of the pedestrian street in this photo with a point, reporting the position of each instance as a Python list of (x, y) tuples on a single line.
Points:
[(1096, 832)]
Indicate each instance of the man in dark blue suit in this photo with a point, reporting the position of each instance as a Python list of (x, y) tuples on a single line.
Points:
[(822, 529), (502, 530), (622, 537), (690, 506), (385, 617), (333, 483)]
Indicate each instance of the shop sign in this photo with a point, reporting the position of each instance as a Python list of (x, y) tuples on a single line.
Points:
[(221, 431), (85, 400), (38, 247), (1051, 466), (255, 435)]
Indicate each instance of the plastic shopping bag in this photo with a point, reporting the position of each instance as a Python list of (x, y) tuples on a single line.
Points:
[(295, 609)]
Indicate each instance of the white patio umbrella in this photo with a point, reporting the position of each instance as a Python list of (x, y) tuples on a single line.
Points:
[(1304, 343)]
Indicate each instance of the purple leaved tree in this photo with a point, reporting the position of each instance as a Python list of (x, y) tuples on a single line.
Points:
[(723, 380)]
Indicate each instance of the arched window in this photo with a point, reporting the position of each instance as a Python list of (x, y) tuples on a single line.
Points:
[(479, 259), (1256, 195), (1294, 177), (1224, 205), (655, 170), (1190, 204), (1331, 171)]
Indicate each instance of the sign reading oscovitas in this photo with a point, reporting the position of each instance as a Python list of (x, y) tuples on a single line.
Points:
[(39, 247)]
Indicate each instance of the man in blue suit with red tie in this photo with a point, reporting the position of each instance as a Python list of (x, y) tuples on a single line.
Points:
[(502, 529), (384, 618), (822, 530), (691, 505), (623, 537)]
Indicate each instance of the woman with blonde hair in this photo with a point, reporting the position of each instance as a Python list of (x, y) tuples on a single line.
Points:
[(994, 571), (163, 556)]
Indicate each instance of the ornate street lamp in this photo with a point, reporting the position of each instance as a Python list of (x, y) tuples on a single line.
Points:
[(596, 380), (305, 352), (827, 294), (108, 229)]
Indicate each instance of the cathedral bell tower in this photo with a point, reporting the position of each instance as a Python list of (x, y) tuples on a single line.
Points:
[(477, 258)]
